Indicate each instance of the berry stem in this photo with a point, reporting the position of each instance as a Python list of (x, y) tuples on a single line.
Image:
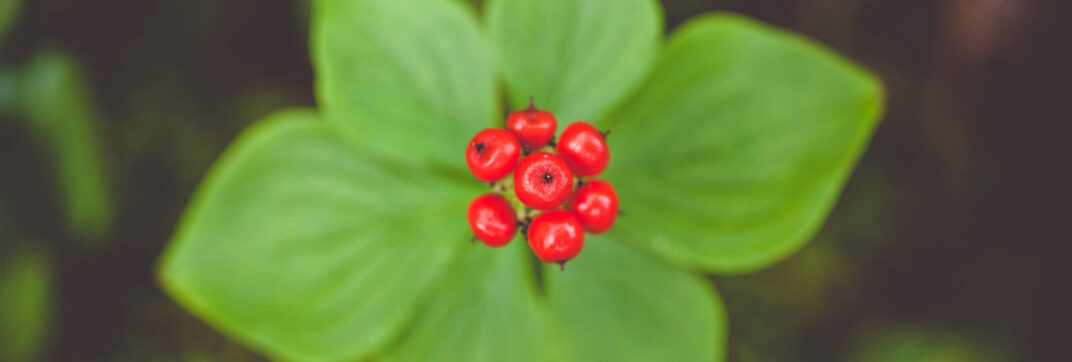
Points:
[(525, 228), (521, 212)]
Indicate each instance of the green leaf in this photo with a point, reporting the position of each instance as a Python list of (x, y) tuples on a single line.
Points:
[(397, 79), (614, 303), (732, 155), (296, 245), (487, 309), (9, 11), (56, 101), (576, 58), (25, 304)]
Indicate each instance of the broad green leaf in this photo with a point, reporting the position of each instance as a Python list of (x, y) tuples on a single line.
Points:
[(614, 303), (25, 304), (576, 58), (9, 10), (409, 78), (487, 309), (732, 155), (56, 101), (300, 247)]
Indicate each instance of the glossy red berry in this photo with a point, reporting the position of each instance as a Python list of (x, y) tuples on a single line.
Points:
[(556, 236), (584, 148), (543, 181), (533, 127), (492, 154), (596, 205), (492, 219)]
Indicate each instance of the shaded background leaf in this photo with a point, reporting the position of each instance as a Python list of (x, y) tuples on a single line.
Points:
[(922, 342), (25, 303), (9, 11), (55, 100)]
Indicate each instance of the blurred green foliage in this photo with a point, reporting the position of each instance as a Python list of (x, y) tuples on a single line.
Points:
[(49, 94), (56, 103), (921, 342), (9, 10), (25, 303)]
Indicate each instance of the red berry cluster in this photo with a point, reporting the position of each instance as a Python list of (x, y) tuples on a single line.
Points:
[(543, 181)]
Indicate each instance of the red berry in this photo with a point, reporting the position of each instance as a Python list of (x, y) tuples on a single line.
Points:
[(492, 154), (583, 147), (543, 181), (596, 205), (556, 236), (492, 219), (533, 127)]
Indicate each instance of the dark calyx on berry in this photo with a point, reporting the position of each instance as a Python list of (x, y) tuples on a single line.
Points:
[(492, 154), (543, 181)]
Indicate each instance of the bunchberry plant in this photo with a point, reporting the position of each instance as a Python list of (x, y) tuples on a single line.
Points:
[(341, 233), (543, 181)]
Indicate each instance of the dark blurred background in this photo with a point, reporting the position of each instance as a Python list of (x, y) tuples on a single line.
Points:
[(946, 245)]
